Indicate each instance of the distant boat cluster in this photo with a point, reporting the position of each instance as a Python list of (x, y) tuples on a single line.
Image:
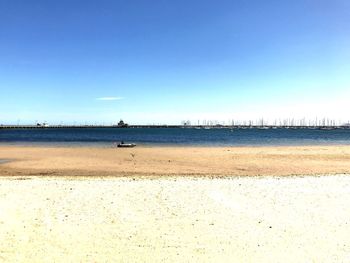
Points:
[(289, 122)]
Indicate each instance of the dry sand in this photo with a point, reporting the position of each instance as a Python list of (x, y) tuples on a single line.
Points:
[(162, 161), (79, 215), (175, 219)]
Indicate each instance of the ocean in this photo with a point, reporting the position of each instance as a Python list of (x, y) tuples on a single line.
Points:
[(175, 136)]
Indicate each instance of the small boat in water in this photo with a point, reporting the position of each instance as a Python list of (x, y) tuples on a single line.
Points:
[(126, 145)]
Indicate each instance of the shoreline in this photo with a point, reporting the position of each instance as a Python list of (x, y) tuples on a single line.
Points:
[(99, 145)]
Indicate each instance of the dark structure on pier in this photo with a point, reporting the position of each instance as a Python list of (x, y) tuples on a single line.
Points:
[(122, 124)]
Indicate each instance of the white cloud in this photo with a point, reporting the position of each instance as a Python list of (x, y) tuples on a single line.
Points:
[(110, 98)]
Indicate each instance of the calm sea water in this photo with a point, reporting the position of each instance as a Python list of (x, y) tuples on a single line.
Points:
[(176, 136)]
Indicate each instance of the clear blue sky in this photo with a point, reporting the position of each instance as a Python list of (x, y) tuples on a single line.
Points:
[(164, 61)]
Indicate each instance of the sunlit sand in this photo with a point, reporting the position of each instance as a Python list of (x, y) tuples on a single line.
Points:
[(175, 219), (171, 204)]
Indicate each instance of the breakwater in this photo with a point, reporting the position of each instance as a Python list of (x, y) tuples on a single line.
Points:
[(171, 126)]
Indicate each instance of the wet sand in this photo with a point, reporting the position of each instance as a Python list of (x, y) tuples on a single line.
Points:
[(160, 161)]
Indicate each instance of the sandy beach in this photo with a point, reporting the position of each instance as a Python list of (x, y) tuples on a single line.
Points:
[(175, 219), (172, 204), (160, 161)]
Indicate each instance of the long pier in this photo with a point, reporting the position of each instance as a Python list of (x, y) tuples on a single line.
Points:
[(264, 127)]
